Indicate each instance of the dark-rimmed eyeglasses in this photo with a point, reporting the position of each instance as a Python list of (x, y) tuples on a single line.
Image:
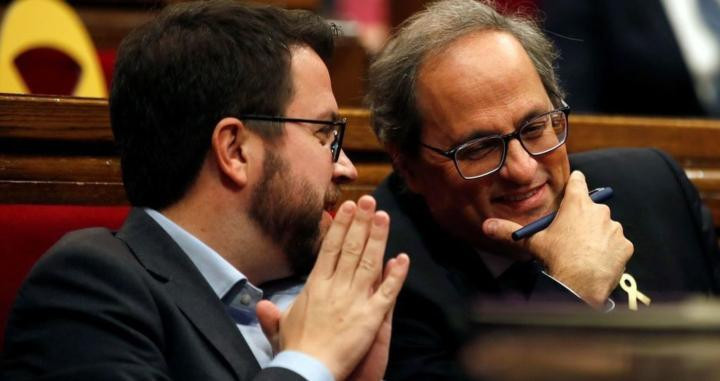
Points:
[(331, 135), (484, 156)]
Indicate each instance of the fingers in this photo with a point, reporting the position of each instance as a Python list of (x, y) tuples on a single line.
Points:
[(370, 264), (352, 250), (499, 229), (576, 186), (269, 318), (355, 240), (333, 242), (387, 292), (387, 321)]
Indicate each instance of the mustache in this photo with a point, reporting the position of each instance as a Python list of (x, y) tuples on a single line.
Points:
[(332, 196)]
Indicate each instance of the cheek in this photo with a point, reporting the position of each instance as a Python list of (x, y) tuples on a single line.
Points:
[(455, 202), (558, 169), (437, 183), (461, 199), (313, 162), (479, 194)]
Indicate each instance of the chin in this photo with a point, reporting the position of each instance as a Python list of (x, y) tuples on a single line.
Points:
[(527, 218)]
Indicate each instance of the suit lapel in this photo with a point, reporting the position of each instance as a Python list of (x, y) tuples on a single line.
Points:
[(167, 263)]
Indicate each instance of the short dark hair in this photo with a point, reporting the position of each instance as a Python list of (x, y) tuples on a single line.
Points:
[(196, 63), (394, 71)]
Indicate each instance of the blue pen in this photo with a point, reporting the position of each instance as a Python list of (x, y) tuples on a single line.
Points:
[(597, 195)]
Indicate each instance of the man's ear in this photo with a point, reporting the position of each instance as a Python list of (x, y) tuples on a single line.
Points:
[(231, 145), (402, 165)]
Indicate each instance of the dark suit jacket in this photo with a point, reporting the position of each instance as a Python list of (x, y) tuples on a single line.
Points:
[(620, 57), (125, 306), (675, 253)]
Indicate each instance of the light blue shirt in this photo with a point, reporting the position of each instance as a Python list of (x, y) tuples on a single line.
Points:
[(222, 276)]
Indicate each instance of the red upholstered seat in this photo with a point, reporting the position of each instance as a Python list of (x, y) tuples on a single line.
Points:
[(27, 231)]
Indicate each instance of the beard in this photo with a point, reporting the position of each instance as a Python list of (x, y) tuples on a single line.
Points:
[(289, 212)]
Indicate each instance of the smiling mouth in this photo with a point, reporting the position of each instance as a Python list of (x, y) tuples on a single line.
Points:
[(517, 197)]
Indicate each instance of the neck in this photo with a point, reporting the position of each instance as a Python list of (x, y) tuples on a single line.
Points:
[(231, 234)]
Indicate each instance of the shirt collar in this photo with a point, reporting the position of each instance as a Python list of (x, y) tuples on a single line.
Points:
[(496, 264), (218, 272)]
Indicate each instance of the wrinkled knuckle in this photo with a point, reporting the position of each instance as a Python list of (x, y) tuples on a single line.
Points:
[(387, 290), (630, 248), (604, 210), (367, 264), (329, 251), (333, 243), (619, 228), (352, 248)]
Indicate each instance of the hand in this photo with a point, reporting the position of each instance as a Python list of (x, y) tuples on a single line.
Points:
[(372, 366), (342, 315), (583, 247)]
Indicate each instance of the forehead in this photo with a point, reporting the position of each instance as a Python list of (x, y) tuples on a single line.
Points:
[(312, 91), (484, 81)]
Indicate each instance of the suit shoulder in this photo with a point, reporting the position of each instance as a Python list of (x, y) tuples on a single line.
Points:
[(85, 259), (628, 156), (640, 167), (84, 249), (99, 296)]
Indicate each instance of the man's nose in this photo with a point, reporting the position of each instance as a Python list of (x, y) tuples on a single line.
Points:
[(519, 166), (343, 170)]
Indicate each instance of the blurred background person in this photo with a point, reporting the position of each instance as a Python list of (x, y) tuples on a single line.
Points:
[(651, 57)]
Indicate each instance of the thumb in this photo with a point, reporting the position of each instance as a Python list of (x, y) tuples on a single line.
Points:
[(269, 318), (499, 229)]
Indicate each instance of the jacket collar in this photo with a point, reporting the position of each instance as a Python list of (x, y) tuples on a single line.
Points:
[(170, 266)]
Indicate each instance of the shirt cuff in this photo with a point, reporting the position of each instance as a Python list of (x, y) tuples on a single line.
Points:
[(306, 366), (609, 303)]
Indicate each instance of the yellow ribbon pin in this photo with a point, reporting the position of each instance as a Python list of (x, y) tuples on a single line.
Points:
[(629, 285)]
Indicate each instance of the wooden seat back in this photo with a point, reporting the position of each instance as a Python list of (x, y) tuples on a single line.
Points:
[(59, 150)]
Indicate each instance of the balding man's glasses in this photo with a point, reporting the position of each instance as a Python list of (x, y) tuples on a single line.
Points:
[(330, 135), (486, 155)]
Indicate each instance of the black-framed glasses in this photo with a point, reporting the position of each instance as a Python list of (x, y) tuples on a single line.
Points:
[(486, 155), (330, 136)]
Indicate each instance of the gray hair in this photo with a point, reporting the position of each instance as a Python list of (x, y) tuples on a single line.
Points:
[(393, 74)]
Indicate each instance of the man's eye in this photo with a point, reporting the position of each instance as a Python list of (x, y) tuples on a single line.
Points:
[(533, 130), (325, 134), (479, 150)]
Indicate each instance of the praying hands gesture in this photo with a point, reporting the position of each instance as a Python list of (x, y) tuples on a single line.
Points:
[(343, 315)]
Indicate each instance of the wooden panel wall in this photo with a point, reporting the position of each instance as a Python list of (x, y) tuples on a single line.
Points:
[(59, 150)]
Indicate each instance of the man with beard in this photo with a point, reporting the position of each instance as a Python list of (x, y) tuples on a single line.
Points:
[(468, 105), (231, 155)]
